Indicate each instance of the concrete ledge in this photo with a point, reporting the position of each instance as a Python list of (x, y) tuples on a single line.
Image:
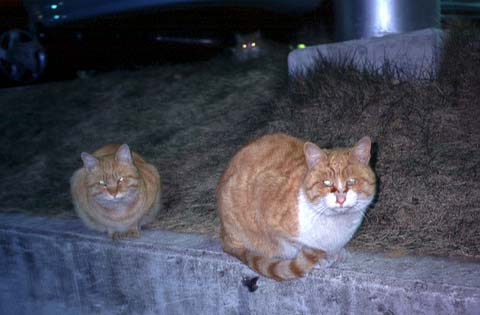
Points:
[(413, 55), (53, 266)]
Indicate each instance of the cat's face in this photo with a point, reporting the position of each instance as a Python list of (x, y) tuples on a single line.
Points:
[(248, 46), (112, 182), (339, 181)]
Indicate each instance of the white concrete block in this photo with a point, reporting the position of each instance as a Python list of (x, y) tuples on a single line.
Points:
[(413, 55)]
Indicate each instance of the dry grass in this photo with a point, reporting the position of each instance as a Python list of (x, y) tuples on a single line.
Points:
[(189, 120)]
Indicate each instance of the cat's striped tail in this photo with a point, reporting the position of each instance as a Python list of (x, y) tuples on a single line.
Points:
[(276, 268)]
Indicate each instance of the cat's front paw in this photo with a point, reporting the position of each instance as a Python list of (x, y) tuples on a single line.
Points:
[(334, 259), (133, 233), (115, 236)]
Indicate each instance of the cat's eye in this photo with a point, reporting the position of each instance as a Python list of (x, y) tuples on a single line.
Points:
[(327, 183), (244, 46), (101, 182), (253, 44), (351, 181)]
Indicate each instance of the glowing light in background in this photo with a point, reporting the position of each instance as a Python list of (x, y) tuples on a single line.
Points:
[(383, 15)]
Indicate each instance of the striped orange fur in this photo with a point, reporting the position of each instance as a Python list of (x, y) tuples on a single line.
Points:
[(285, 204), (277, 268), (116, 191)]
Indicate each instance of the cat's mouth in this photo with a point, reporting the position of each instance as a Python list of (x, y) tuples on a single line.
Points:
[(110, 201), (111, 198), (339, 209)]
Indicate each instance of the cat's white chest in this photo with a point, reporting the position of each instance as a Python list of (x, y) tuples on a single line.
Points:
[(329, 233)]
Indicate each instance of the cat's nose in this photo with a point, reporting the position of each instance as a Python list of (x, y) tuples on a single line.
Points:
[(112, 191), (340, 198)]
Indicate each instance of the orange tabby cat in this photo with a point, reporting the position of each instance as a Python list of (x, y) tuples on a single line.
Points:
[(286, 204), (116, 191)]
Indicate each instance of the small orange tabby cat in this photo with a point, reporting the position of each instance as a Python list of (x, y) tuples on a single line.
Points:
[(286, 204), (116, 191)]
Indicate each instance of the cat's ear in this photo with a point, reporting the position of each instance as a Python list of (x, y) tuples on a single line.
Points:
[(313, 154), (89, 161), (361, 151), (123, 154)]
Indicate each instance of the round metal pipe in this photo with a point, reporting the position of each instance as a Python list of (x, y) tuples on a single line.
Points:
[(374, 18)]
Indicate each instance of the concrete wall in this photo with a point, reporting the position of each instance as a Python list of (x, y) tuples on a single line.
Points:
[(53, 266)]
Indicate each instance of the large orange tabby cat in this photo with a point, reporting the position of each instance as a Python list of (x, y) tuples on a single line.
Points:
[(286, 204), (116, 191)]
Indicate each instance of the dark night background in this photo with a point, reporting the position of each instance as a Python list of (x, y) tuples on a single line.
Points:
[(158, 35)]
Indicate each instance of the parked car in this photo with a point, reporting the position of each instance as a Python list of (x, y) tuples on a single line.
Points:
[(41, 35)]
